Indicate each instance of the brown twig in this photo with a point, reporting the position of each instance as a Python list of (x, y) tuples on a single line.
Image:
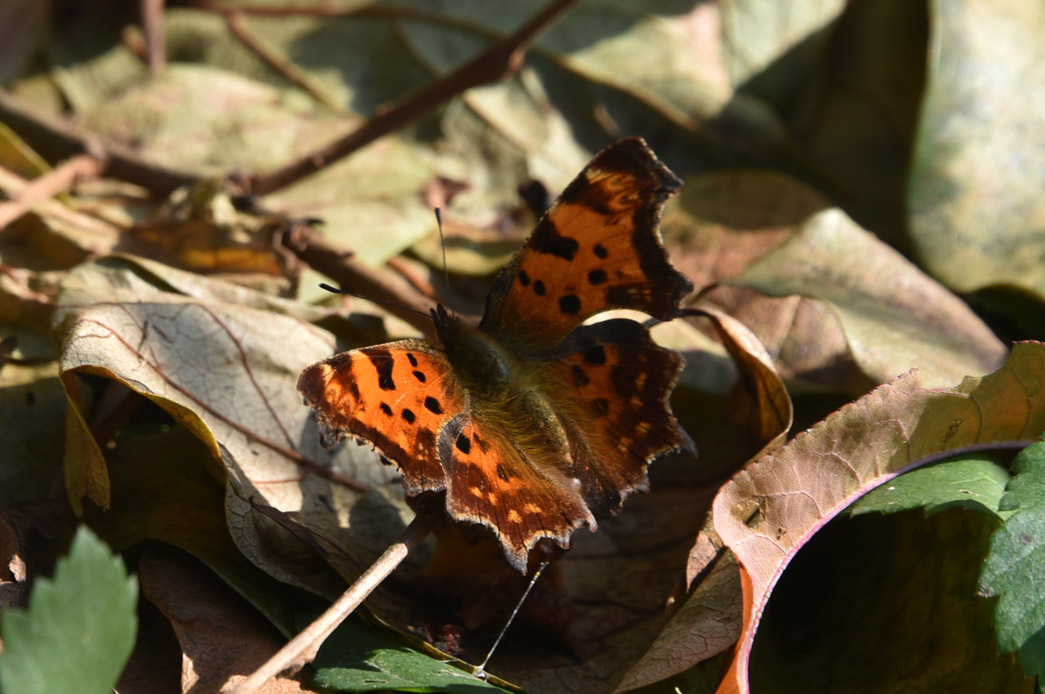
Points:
[(155, 41), (356, 277), (234, 20), (58, 140), (48, 185), (302, 648), (499, 61), (413, 277)]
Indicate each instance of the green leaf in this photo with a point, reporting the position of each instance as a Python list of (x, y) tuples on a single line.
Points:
[(1015, 566), (357, 659), (968, 482), (79, 629)]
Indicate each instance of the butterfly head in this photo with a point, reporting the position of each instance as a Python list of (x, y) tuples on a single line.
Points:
[(478, 358)]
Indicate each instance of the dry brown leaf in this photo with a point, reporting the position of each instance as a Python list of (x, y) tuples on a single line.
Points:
[(894, 317), (219, 367), (762, 401), (768, 511), (222, 637)]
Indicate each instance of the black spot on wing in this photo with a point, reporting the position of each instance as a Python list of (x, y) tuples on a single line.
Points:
[(600, 251), (463, 444), (384, 363), (524, 279), (596, 277), (570, 304), (386, 409), (539, 289), (546, 239), (580, 378), (503, 473), (433, 406), (595, 355), (412, 358), (420, 376), (409, 415)]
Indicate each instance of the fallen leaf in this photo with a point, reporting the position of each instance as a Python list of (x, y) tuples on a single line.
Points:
[(222, 638), (976, 175), (762, 402), (768, 511), (1014, 567), (893, 316), (222, 370)]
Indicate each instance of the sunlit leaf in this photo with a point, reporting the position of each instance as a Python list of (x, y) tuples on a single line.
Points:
[(968, 482), (1015, 568), (65, 642)]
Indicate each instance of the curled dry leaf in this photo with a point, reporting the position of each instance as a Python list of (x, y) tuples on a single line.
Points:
[(708, 621), (893, 315), (771, 509), (762, 400), (220, 368)]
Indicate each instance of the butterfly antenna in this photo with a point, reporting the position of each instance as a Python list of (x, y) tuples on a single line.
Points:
[(446, 272), (335, 290), (480, 671)]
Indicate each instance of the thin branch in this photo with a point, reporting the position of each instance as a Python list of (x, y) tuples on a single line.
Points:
[(57, 140), (48, 185), (356, 277), (234, 20), (412, 276), (302, 648), (155, 40), (499, 61)]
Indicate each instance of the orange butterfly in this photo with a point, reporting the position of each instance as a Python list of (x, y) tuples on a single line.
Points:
[(531, 421)]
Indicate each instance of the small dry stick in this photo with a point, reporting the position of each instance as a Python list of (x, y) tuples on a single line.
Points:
[(302, 648), (356, 277), (48, 185), (501, 60), (234, 20), (155, 42)]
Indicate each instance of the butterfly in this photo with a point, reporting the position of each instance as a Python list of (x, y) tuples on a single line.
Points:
[(533, 421)]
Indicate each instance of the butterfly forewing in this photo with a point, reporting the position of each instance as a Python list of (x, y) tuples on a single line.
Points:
[(597, 248), (398, 396)]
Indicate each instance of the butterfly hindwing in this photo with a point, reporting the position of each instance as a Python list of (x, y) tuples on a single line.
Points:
[(611, 389), (597, 248), (493, 480)]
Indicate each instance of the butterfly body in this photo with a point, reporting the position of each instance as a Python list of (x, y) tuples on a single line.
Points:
[(532, 421), (484, 364)]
